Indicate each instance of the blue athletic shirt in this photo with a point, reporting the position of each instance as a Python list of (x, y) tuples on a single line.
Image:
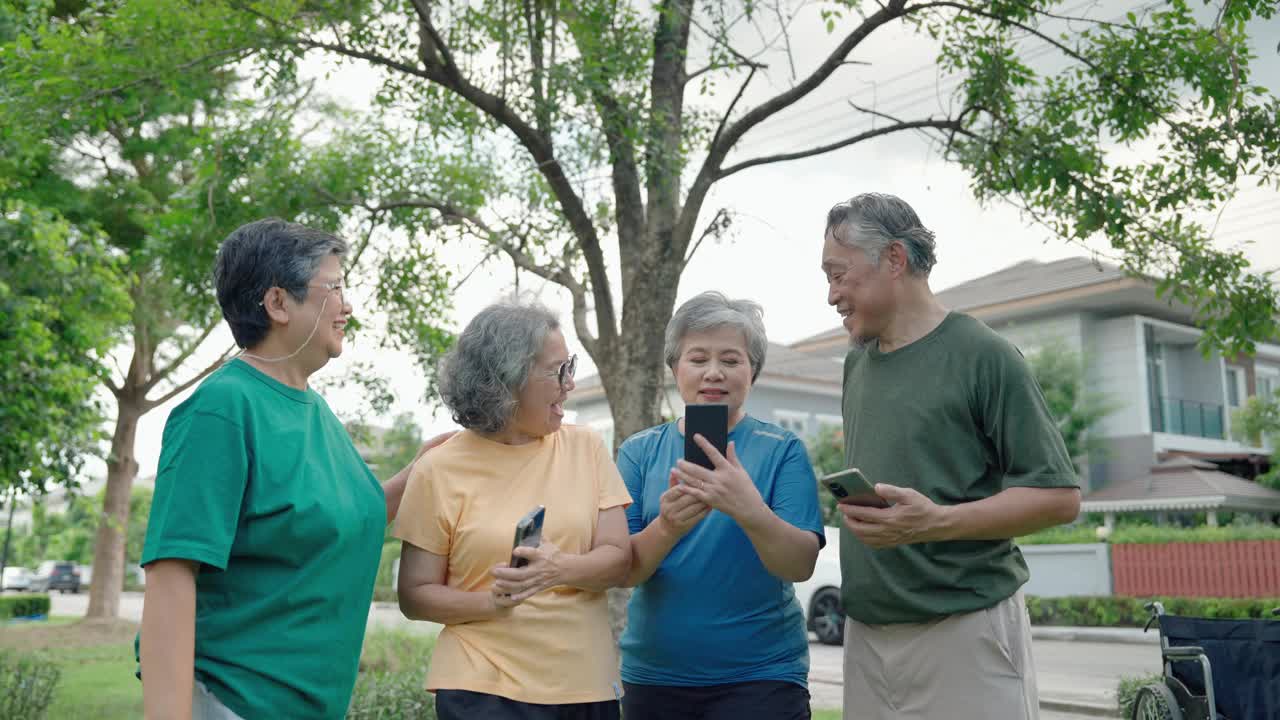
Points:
[(711, 613)]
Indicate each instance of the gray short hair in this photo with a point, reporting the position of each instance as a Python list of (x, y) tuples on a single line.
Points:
[(873, 221), (485, 371), (261, 255), (711, 310)]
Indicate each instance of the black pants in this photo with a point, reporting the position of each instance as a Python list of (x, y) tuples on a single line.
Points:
[(758, 699), (467, 705)]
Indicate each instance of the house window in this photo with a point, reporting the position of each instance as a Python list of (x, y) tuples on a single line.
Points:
[(1267, 382), (1235, 386), (795, 422)]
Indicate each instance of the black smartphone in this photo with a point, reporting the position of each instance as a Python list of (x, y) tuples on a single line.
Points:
[(711, 421), (528, 534), (852, 487)]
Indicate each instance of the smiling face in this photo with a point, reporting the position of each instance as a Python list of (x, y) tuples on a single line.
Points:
[(324, 309), (540, 404), (713, 367), (860, 291)]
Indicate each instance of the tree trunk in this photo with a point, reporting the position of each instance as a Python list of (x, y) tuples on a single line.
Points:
[(108, 550)]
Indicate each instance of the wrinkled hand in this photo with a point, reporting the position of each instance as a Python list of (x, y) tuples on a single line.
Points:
[(434, 442), (727, 487), (678, 511), (913, 518), (512, 586)]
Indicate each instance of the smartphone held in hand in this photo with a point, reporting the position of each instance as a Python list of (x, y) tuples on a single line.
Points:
[(528, 534), (852, 487), (711, 421)]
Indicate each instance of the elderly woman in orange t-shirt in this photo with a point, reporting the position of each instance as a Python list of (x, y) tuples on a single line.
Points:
[(535, 641)]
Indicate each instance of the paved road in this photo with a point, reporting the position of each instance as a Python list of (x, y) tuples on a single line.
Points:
[(1067, 670)]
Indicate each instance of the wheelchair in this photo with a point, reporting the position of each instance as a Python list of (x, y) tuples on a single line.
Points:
[(1213, 669)]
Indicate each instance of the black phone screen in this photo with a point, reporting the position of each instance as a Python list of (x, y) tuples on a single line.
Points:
[(711, 421)]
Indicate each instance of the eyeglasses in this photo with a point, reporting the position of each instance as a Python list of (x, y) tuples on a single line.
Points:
[(329, 287), (566, 370)]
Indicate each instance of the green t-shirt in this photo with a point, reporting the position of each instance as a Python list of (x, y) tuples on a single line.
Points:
[(261, 484), (958, 416)]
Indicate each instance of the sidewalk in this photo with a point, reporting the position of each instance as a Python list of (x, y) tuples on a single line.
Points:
[(1095, 634)]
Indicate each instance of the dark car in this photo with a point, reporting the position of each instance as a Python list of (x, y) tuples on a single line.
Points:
[(56, 575)]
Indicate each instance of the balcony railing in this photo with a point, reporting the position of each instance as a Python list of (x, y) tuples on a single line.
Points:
[(1186, 417)]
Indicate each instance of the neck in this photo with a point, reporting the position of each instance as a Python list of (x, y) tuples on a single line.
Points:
[(509, 436), (918, 314), (292, 371)]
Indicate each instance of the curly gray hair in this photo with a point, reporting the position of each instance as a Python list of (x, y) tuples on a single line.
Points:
[(873, 221), (711, 310), (483, 374)]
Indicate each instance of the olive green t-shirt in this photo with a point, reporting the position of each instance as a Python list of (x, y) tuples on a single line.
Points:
[(958, 416), (260, 483)]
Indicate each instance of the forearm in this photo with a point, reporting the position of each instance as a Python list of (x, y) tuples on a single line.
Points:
[(447, 606), (649, 548), (604, 567), (393, 491), (787, 552), (1010, 513), (167, 645)]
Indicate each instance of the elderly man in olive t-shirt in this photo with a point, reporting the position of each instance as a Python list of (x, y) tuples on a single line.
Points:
[(945, 417)]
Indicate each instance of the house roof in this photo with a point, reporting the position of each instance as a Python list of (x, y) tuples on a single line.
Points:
[(781, 364), (1182, 483), (1026, 279)]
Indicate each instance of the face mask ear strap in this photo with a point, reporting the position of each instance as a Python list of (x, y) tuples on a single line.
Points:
[(314, 327)]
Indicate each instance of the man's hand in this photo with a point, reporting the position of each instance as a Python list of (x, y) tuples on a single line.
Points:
[(913, 518), (726, 487)]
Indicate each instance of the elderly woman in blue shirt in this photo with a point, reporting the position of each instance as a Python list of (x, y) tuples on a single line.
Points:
[(714, 630)]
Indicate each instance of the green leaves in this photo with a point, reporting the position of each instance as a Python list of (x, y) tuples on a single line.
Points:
[(62, 299), (1147, 123)]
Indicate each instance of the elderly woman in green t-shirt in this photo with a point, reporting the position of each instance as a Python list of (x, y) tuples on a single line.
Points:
[(266, 526)]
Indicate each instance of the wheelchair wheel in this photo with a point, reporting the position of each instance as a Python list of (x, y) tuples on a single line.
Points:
[(1156, 702)]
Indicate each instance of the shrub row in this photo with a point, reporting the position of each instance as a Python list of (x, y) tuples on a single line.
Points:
[(19, 606), (1128, 612), (26, 685), (1152, 534)]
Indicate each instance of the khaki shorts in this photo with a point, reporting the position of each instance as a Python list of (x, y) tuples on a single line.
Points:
[(975, 666), (206, 706)]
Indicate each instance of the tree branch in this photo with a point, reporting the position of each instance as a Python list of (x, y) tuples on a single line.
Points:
[(159, 376), (149, 404), (950, 125)]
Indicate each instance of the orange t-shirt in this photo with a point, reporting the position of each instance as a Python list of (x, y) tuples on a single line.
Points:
[(462, 501)]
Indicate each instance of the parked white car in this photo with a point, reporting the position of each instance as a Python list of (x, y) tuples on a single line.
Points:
[(819, 596), (16, 578)]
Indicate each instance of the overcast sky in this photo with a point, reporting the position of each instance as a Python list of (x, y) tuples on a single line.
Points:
[(773, 254)]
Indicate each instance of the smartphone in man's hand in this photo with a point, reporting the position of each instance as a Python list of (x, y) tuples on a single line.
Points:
[(528, 534), (711, 421), (853, 488)]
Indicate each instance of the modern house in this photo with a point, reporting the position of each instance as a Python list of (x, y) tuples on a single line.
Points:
[(798, 390), (1140, 352)]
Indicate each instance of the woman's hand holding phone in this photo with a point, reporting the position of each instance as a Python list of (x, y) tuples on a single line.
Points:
[(726, 487), (679, 511), (512, 586)]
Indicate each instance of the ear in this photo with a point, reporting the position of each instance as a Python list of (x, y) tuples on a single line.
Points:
[(896, 255), (275, 305)]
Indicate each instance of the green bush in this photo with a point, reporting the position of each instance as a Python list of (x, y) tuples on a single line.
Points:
[(393, 665), (26, 685), (1127, 691), (17, 606), (391, 696), (1113, 611), (390, 556), (1152, 534)]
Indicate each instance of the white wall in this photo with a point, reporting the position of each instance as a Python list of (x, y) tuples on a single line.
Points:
[(1031, 335), (1117, 370)]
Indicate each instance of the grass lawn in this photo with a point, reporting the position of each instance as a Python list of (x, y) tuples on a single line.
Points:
[(826, 715), (96, 659)]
